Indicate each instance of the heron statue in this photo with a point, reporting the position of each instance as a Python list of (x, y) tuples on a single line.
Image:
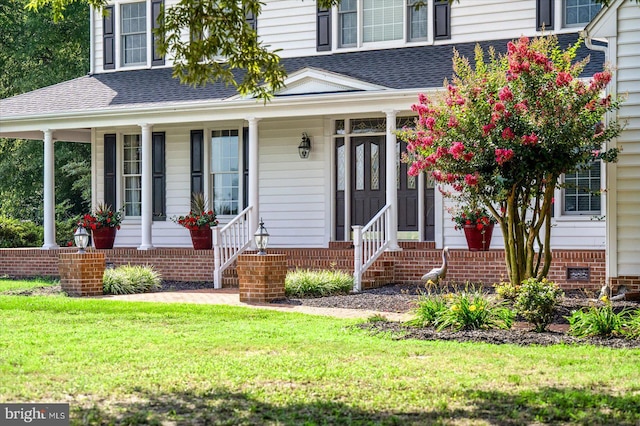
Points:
[(436, 274)]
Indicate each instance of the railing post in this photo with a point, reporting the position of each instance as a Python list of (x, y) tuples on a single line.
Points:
[(217, 259), (357, 258)]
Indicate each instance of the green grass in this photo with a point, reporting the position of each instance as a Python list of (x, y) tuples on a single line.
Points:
[(12, 285), (147, 363)]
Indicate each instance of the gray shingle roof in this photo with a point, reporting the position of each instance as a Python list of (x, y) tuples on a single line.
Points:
[(418, 68)]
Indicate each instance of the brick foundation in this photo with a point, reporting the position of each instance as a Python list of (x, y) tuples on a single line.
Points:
[(632, 283), (408, 265), (261, 277), (81, 274)]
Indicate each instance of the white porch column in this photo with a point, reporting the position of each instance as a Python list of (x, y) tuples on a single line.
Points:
[(253, 175), (49, 193), (421, 206), (147, 193), (391, 182)]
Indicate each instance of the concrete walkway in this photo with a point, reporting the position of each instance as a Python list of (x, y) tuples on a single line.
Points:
[(232, 297)]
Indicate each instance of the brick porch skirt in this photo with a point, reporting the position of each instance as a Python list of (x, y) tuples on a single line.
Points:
[(185, 264)]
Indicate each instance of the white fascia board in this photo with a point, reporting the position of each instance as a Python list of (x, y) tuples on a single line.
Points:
[(209, 111), (604, 24)]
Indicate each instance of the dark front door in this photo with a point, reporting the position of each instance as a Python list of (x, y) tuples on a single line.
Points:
[(367, 178)]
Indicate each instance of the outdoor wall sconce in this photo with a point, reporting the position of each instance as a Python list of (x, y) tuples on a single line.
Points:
[(262, 238), (81, 238), (305, 146)]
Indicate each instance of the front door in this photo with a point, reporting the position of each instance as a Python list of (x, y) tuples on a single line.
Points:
[(367, 178)]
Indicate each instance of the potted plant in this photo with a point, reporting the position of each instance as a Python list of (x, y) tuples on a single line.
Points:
[(103, 223), (199, 222), (477, 224)]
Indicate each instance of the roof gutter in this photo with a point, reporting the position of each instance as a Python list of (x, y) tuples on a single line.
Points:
[(588, 41)]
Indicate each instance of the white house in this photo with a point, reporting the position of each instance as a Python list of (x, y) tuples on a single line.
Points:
[(620, 26), (354, 72)]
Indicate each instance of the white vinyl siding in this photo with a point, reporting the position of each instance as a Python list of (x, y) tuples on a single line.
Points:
[(628, 166)]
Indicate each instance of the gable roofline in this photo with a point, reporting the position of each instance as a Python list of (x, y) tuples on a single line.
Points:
[(604, 24)]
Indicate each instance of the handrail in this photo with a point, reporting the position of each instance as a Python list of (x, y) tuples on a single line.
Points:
[(229, 242), (370, 241)]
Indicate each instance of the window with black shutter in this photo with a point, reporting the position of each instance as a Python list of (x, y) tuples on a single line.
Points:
[(108, 38), (323, 32), (156, 11), (441, 20), (197, 161), (159, 181), (544, 14), (110, 170), (252, 20)]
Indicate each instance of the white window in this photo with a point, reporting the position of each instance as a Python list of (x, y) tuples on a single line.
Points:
[(380, 21), (132, 174), (582, 191), (225, 178), (579, 12), (134, 33)]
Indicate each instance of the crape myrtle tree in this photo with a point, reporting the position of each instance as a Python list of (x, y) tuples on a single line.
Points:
[(502, 133)]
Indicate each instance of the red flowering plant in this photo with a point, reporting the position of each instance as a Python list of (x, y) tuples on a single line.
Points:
[(103, 217), (199, 217), (477, 216), (504, 130)]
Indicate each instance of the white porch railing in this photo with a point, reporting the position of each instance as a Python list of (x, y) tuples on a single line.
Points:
[(369, 242), (229, 242)]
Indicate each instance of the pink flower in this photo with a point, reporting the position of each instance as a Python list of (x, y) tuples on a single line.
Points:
[(457, 148), (505, 94), (467, 156), (520, 107), (508, 134), (531, 139), (600, 80), (498, 107), (503, 155), (471, 180), (563, 79), (487, 128), (453, 121)]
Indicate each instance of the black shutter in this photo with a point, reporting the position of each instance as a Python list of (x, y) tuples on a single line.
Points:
[(245, 167), (544, 14), (323, 30), (108, 40), (442, 20), (156, 10), (197, 161), (159, 180), (252, 20), (110, 170)]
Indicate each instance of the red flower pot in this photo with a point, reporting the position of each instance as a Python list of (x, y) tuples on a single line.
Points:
[(478, 239), (104, 237), (201, 238)]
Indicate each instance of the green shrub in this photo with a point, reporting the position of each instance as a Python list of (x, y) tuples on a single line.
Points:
[(632, 331), (308, 283), (430, 307), (507, 291), (17, 233), (130, 279), (536, 302), (473, 309), (598, 321), (65, 229)]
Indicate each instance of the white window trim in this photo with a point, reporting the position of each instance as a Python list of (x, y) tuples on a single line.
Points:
[(117, 10), (561, 216), (208, 184), (374, 45), (563, 18)]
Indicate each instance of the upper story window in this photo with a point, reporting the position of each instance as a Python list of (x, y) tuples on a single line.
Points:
[(127, 39), (134, 33), (367, 21), (582, 191), (579, 12)]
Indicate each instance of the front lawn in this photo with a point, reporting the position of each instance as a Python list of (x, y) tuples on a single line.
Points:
[(146, 363)]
